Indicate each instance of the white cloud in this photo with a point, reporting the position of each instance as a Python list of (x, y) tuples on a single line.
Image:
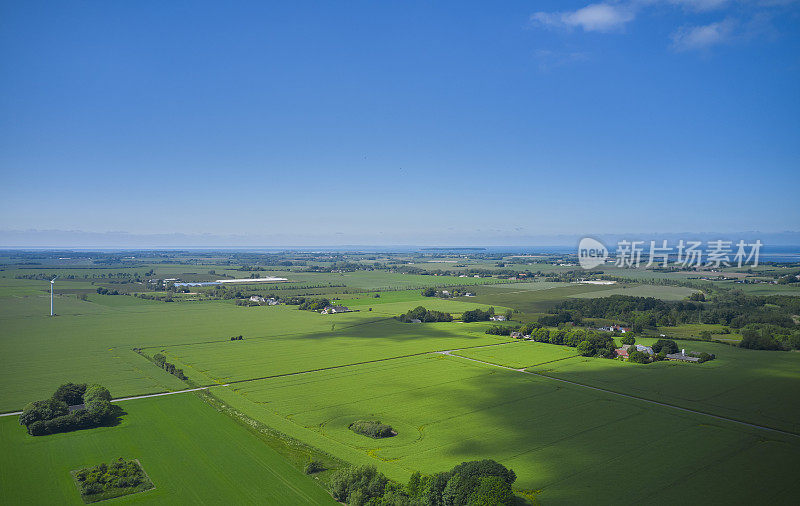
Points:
[(601, 17), (689, 38)]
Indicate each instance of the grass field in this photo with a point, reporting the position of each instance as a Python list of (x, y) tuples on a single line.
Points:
[(223, 362), (520, 354), (692, 330), (192, 453), (559, 439), (759, 387), (309, 376), (528, 300), (657, 291)]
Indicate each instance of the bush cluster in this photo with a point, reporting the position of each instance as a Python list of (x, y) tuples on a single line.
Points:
[(315, 466), (483, 482), (477, 315), (372, 428), (424, 315), (120, 474), (161, 361), (52, 415)]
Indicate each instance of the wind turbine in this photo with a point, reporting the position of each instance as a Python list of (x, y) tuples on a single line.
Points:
[(52, 281)]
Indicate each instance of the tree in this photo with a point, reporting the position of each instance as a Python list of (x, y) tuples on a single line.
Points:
[(665, 344), (628, 340), (70, 393), (586, 349), (705, 335), (42, 410), (429, 292), (638, 357), (491, 491)]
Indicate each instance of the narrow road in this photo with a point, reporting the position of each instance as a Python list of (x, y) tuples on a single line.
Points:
[(297, 373), (133, 398), (450, 353)]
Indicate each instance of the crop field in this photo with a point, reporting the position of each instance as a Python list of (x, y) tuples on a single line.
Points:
[(520, 354), (223, 362), (193, 454), (560, 439), (530, 300), (657, 291), (760, 387), (308, 376), (692, 330), (93, 342)]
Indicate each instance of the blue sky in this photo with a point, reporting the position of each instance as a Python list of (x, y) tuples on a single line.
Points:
[(400, 122)]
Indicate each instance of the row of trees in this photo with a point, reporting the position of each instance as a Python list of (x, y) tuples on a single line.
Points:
[(731, 308), (425, 315), (477, 315), (52, 415), (482, 482), (452, 292), (161, 361)]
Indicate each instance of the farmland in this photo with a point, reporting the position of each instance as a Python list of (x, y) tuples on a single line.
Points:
[(187, 449), (302, 378), (554, 436)]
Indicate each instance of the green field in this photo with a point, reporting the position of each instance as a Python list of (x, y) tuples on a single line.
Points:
[(192, 453), (520, 354), (750, 385), (657, 291), (558, 438), (303, 377), (223, 362)]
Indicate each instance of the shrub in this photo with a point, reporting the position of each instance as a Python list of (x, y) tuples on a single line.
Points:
[(112, 480), (315, 466), (372, 428)]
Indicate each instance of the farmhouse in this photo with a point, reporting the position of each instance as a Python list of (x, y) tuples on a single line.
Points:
[(637, 347), (682, 357), (498, 318), (516, 335), (622, 352), (272, 302), (336, 309), (615, 328), (256, 298)]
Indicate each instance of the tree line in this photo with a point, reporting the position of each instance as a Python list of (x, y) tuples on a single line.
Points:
[(480, 482)]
